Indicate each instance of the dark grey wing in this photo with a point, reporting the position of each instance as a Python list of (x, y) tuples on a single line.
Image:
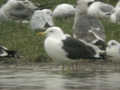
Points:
[(82, 25), (76, 49), (106, 8), (98, 27), (21, 14)]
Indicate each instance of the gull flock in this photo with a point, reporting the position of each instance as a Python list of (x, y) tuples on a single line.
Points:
[(88, 40)]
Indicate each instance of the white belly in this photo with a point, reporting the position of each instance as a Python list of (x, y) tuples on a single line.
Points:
[(53, 49), (113, 53)]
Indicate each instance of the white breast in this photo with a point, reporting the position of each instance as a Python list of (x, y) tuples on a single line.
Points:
[(53, 47), (113, 52)]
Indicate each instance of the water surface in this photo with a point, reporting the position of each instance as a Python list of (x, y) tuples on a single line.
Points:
[(42, 77)]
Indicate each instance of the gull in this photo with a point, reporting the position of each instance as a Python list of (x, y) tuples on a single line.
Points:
[(84, 23), (115, 16), (16, 10), (63, 10), (113, 50), (41, 19), (64, 49), (100, 10), (98, 40), (4, 52)]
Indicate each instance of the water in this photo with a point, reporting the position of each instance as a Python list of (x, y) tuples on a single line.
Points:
[(42, 77)]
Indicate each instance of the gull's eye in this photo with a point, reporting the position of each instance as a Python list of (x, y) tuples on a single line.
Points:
[(51, 31), (113, 44)]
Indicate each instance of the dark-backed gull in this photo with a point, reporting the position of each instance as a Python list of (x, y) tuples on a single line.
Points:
[(62, 48), (4, 52), (84, 23)]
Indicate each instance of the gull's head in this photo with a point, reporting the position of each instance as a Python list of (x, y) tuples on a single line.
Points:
[(112, 43), (47, 12), (83, 5), (53, 32)]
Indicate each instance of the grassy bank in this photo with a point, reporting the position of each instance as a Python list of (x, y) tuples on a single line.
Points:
[(21, 38)]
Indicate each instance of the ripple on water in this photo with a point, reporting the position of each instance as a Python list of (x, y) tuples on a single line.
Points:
[(95, 77)]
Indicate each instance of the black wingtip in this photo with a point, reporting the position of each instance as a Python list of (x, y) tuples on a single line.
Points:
[(13, 54)]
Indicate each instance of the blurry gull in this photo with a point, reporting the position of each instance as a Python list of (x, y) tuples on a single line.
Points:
[(63, 48), (4, 52), (64, 10), (16, 9), (84, 23), (41, 19), (98, 41), (100, 9), (115, 17), (118, 4), (113, 50)]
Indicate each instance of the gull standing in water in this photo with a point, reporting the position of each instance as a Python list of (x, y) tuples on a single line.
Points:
[(64, 49)]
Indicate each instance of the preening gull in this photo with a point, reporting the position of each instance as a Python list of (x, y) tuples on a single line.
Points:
[(4, 52), (113, 50), (63, 48), (100, 10), (16, 9), (63, 10), (84, 23), (41, 19)]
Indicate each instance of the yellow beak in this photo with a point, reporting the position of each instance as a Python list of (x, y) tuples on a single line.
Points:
[(41, 33)]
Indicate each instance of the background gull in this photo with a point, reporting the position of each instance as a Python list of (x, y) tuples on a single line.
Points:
[(83, 23), (118, 4), (16, 10), (115, 17), (113, 50), (41, 19), (4, 52), (63, 10), (100, 9)]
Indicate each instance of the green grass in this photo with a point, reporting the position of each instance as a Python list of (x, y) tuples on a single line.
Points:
[(20, 37)]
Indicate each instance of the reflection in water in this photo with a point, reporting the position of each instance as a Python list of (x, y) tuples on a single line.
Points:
[(42, 78)]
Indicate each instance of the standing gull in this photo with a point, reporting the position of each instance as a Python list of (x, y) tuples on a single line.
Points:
[(84, 23), (41, 19), (63, 48)]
